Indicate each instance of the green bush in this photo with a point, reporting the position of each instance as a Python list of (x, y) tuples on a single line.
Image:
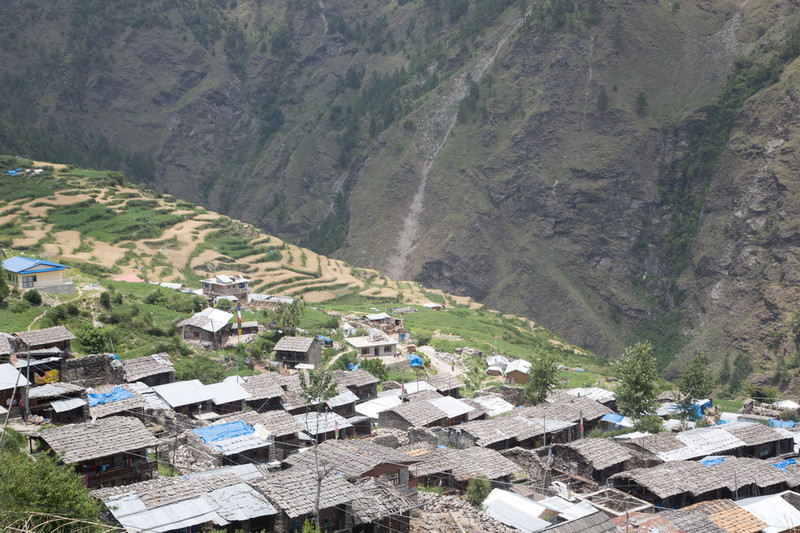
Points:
[(33, 297)]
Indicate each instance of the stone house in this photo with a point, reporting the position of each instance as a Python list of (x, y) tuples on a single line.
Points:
[(61, 403), (517, 372), (292, 351), (222, 286), (210, 326), (359, 382), (39, 339), (108, 452), (152, 370)]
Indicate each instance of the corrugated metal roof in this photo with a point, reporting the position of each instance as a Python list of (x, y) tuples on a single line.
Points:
[(61, 406), (9, 376), (495, 405), (515, 511), (595, 393), (453, 407), (182, 393), (174, 516), (373, 408), (226, 392), (775, 511)]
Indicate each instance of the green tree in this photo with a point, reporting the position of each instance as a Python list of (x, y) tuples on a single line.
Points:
[(542, 379), (741, 369), (105, 300), (317, 386), (641, 104), (725, 371), (4, 290), (636, 394), (92, 339), (287, 316), (41, 486), (376, 367), (695, 384), (477, 491), (602, 100)]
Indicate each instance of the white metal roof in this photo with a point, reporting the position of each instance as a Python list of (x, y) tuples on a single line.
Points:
[(317, 423), (377, 316), (182, 393), (226, 391), (520, 365), (60, 406), (135, 517), (453, 407), (515, 511), (8, 377), (217, 315), (373, 408), (241, 502), (368, 342), (494, 404), (775, 511), (595, 393)]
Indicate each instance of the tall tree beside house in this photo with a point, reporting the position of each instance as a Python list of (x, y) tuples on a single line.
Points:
[(317, 386), (542, 379), (636, 394), (695, 384), (287, 316), (477, 491)]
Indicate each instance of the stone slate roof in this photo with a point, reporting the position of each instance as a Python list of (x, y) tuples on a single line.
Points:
[(419, 414), (599, 453), (444, 382), (37, 337), (352, 458), (101, 438), (314, 423), (126, 407), (54, 390), (377, 499), (5, 346), (463, 463), (511, 426), (294, 344), (263, 386), (294, 491), (423, 396), (278, 423), (594, 523), (354, 378), (149, 365), (753, 434), (695, 478), (561, 406)]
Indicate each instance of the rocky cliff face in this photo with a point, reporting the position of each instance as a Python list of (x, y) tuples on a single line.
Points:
[(519, 160)]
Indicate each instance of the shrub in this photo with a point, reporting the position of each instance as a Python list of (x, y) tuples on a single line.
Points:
[(477, 491), (33, 297)]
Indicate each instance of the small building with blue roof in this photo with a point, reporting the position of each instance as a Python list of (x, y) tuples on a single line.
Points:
[(27, 273)]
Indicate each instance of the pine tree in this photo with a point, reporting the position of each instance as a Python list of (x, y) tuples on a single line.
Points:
[(541, 380), (636, 395)]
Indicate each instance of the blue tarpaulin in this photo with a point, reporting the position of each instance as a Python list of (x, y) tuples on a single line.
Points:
[(116, 394), (223, 431), (783, 464), (712, 461), (351, 366), (414, 360), (614, 418), (780, 423)]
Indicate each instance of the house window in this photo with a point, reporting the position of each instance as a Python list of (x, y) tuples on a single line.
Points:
[(241, 285), (764, 451), (387, 349), (295, 525), (392, 477), (364, 351), (28, 282)]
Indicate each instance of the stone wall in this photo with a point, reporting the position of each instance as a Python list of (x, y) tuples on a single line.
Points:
[(93, 370)]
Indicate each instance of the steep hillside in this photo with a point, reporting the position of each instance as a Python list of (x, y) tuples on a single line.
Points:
[(566, 161)]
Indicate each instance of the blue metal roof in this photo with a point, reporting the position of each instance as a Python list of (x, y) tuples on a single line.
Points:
[(28, 265)]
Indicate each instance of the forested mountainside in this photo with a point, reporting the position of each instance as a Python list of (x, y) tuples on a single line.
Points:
[(615, 170)]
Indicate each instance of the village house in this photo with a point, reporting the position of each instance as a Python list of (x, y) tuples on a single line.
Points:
[(265, 391), (778, 512), (575, 409), (324, 426), (292, 351), (108, 452), (113, 400), (680, 483), (11, 378), (595, 459), (61, 403), (5, 348), (151, 370), (517, 372), (378, 507), (293, 492), (195, 502), (434, 306), (509, 431), (227, 396), (190, 398), (343, 404), (358, 458), (412, 414), (446, 384), (274, 436), (373, 346), (359, 382), (382, 319), (25, 273), (41, 339), (453, 468), (208, 326), (222, 286)]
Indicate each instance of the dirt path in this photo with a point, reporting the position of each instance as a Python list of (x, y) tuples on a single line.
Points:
[(46, 297)]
